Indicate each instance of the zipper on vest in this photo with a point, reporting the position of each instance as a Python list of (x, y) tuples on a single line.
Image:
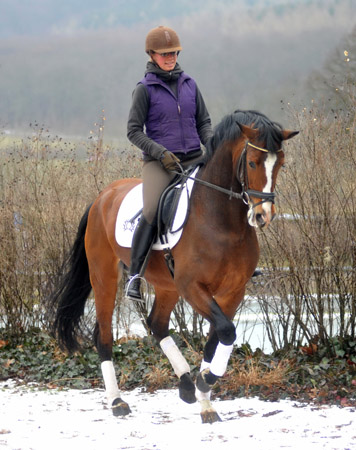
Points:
[(180, 121), (181, 128)]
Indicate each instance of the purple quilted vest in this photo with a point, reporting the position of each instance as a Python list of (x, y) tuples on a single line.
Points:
[(171, 120)]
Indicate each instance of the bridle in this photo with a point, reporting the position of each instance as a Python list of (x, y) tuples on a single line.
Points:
[(242, 177)]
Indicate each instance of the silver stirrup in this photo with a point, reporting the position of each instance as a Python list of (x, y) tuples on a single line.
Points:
[(129, 281)]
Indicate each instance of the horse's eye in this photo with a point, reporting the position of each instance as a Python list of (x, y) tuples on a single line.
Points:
[(252, 165)]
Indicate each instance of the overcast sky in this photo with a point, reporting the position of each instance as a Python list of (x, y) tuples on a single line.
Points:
[(63, 61)]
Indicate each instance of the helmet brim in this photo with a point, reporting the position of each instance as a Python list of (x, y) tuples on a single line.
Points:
[(165, 50)]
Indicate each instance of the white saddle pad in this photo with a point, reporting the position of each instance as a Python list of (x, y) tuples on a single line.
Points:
[(133, 203)]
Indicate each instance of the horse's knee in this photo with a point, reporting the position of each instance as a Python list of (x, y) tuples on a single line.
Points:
[(224, 328), (226, 332)]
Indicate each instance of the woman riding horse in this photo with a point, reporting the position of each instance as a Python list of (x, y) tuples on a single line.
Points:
[(169, 105), (215, 258)]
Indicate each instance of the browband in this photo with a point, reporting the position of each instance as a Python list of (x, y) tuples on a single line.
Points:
[(261, 149)]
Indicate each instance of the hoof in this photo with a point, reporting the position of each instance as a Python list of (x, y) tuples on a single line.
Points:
[(120, 408), (210, 417), (187, 389)]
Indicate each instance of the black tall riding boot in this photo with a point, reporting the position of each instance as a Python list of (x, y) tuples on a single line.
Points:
[(141, 243)]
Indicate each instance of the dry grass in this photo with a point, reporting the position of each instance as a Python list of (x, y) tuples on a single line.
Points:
[(158, 378), (251, 373)]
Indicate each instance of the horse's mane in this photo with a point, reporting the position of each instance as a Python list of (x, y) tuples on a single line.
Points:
[(228, 130)]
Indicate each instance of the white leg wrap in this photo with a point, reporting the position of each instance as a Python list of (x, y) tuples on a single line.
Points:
[(221, 358), (204, 365), (111, 388), (179, 364)]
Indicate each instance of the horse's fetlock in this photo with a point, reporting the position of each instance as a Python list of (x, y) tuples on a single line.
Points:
[(205, 380), (202, 385), (187, 389), (186, 381), (210, 378)]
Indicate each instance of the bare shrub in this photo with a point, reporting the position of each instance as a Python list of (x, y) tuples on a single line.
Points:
[(310, 252), (46, 185)]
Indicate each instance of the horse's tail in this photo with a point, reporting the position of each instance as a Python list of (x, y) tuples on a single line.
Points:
[(68, 301)]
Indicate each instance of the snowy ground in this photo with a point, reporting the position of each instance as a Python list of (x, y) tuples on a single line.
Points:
[(73, 419)]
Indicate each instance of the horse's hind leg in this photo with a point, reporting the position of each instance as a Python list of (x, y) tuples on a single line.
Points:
[(104, 274), (158, 321)]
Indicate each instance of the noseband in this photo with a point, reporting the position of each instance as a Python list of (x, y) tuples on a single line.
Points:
[(242, 177)]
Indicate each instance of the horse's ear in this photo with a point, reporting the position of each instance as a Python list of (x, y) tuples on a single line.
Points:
[(250, 133), (288, 134)]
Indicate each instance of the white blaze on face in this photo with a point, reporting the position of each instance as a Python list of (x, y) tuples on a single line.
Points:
[(266, 206), (269, 165)]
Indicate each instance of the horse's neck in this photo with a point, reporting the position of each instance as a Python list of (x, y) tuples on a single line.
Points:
[(217, 207), (219, 170)]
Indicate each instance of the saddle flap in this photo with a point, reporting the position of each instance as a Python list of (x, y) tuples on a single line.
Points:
[(131, 208), (168, 205)]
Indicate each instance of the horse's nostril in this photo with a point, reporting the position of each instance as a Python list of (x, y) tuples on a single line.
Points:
[(260, 220)]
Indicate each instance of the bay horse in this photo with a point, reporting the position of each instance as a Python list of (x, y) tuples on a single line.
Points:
[(213, 260)]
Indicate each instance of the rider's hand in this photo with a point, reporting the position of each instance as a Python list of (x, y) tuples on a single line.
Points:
[(169, 161)]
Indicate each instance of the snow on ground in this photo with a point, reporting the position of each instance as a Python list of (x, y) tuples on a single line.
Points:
[(31, 418)]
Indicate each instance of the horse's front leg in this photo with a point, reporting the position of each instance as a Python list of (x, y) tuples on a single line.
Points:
[(217, 350), (158, 321), (204, 381)]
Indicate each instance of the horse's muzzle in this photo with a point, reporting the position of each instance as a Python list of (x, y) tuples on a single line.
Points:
[(261, 217)]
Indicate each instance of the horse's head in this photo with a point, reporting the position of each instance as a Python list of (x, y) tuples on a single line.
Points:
[(255, 144), (257, 167)]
